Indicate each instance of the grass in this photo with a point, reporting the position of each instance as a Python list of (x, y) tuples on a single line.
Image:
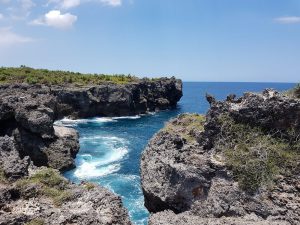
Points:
[(294, 92), (36, 222), (3, 178), (255, 158), (28, 75), (51, 184), (89, 186), (186, 125)]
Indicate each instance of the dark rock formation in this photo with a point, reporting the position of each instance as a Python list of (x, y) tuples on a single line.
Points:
[(118, 100), (27, 116), (189, 179)]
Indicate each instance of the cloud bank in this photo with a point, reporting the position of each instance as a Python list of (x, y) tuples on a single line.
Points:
[(9, 38), (288, 20), (56, 19)]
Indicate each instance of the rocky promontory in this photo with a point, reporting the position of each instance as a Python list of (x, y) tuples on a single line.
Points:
[(33, 150), (239, 164)]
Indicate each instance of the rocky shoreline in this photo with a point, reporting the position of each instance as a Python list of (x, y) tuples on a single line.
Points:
[(239, 164), (29, 141)]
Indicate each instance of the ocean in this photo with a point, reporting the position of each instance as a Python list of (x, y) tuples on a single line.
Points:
[(110, 148)]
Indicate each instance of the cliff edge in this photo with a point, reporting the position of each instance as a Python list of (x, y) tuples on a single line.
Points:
[(239, 164)]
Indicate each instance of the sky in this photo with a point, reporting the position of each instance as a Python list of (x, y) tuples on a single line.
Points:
[(195, 40)]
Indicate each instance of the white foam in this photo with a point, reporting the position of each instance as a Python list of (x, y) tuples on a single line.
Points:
[(115, 155), (108, 140), (70, 122), (127, 117), (90, 170), (91, 167)]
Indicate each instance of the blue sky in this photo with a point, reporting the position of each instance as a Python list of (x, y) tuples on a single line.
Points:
[(196, 40)]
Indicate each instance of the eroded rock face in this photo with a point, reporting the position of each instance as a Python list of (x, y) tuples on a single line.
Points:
[(27, 113), (25, 202), (190, 177), (118, 100)]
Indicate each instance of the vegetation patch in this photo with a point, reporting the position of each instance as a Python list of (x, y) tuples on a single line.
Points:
[(3, 178), (254, 157), (29, 75), (186, 125), (294, 92), (36, 222), (49, 183), (89, 186)]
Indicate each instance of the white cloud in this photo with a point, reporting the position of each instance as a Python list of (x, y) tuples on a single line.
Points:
[(288, 20), (65, 4), (1, 16), (19, 9), (55, 18), (112, 2), (8, 37)]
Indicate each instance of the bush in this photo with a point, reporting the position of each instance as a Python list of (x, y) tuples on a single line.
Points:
[(186, 125), (50, 183), (41, 76), (254, 157), (294, 92), (89, 186), (297, 91)]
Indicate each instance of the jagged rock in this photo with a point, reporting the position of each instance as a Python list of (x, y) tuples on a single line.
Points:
[(11, 163), (118, 100), (170, 218), (164, 164), (62, 152), (28, 201), (193, 180)]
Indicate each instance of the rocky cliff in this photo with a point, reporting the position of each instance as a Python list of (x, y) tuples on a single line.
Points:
[(29, 140), (118, 100), (239, 164), (27, 113)]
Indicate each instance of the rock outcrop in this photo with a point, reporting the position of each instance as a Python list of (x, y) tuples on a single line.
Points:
[(238, 165), (27, 115), (118, 100), (47, 198)]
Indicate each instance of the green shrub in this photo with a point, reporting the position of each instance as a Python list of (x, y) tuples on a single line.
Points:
[(89, 186), (58, 196), (51, 184), (186, 125), (297, 91), (41, 76), (254, 157), (49, 177), (294, 92)]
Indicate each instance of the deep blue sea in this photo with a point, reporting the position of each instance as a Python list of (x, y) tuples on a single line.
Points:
[(111, 147)]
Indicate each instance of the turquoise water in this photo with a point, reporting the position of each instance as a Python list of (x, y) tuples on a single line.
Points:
[(111, 147)]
